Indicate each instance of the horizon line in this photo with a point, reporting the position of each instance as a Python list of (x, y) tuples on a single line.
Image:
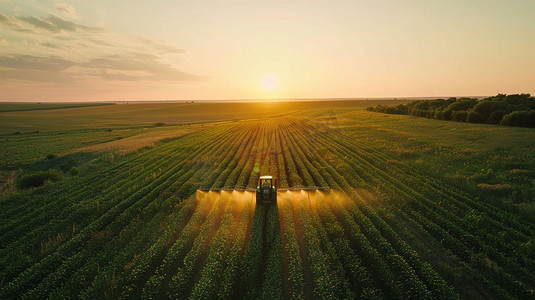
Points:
[(251, 100)]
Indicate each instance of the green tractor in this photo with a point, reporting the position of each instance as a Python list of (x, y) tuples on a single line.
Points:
[(266, 192), (267, 189)]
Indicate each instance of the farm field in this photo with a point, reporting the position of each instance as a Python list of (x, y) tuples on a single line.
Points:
[(409, 215)]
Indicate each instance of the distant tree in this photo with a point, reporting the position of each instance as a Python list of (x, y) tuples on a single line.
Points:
[(463, 104), (529, 120), (460, 116), (421, 104), (496, 116), (447, 114), (474, 117), (515, 118), (491, 110), (517, 99), (422, 113), (402, 109), (391, 110), (486, 107)]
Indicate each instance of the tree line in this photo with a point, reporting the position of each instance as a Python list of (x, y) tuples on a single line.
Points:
[(508, 110)]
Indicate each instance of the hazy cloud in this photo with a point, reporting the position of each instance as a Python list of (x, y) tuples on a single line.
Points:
[(28, 62), (8, 21), (33, 68), (129, 67), (161, 47), (51, 23), (54, 23), (39, 23), (18, 9), (50, 45), (145, 66), (37, 76), (101, 42), (67, 10), (3, 19), (54, 49)]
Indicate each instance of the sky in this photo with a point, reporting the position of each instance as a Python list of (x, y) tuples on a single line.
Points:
[(229, 49)]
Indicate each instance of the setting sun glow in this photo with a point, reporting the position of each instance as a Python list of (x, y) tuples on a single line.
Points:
[(270, 83)]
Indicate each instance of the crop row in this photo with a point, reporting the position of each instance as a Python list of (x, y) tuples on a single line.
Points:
[(136, 229)]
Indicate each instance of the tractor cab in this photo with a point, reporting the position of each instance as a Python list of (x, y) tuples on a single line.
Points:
[(266, 192)]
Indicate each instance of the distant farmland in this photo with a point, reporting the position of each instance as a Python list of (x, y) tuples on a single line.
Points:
[(418, 209)]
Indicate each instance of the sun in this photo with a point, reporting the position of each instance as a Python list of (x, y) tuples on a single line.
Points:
[(270, 83)]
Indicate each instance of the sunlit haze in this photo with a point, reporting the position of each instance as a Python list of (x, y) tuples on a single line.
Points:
[(270, 83), (180, 50)]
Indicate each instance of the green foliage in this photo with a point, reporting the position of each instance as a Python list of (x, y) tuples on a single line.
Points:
[(67, 165), (391, 229), (520, 119), (462, 104), (460, 116), (508, 110), (74, 171), (516, 118), (496, 117), (447, 115), (475, 117), (39, 178)]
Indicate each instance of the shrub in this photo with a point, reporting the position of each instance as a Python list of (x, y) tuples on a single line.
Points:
[(447, 114), (474, 117), (50, 156), (487, 107), (66, 166), (380, 108), (159, 124), (402, 109), (515, 118), (74, 171), (39, 178), (462, 104), (460, 116), (496, 116), (529, 120), (398, 110)]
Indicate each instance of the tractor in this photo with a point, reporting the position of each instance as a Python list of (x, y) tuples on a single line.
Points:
[(267, 189), (266, 192)]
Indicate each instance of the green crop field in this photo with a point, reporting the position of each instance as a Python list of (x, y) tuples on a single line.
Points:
[(418, 208)]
